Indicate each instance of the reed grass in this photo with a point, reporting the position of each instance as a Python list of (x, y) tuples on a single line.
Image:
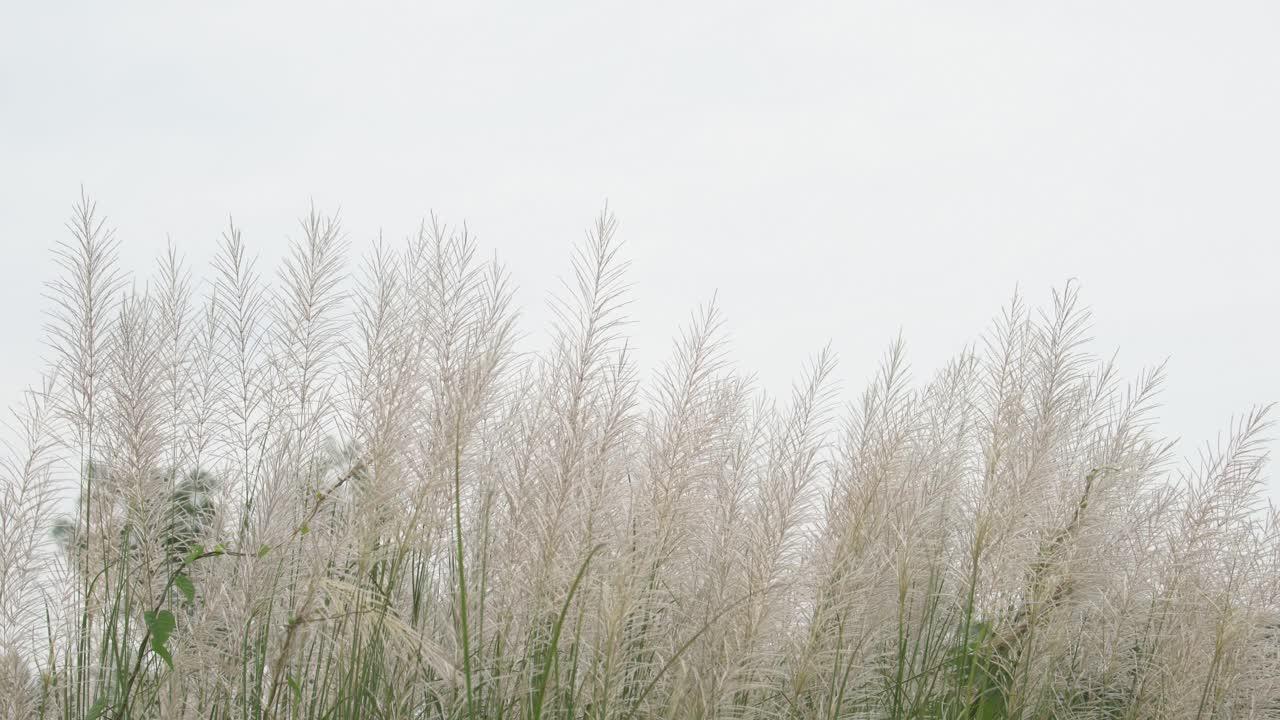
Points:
[(328, 493)]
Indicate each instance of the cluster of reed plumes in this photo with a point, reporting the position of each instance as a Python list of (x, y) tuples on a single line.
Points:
[(349, 496)]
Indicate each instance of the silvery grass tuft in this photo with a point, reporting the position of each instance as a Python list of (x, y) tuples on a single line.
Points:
[(340, 492)]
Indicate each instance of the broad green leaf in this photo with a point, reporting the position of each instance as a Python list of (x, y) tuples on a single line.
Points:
[(161, 625), (163, 653), (95, 710), (196, 552), (262, 551), (188, 588)]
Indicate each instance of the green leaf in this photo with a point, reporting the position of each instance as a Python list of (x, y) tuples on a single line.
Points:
[(188, 588), (297, 690), (219, 549), (161, 625), (262, 551), (95, 710), (163, 652), (196, 552), (304, 529)]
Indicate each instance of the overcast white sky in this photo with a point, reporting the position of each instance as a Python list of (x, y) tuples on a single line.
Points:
[(836, 171)]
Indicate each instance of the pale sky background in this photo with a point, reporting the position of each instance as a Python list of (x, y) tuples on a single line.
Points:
[(836, 171)]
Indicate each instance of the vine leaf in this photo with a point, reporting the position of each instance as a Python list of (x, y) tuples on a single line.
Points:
[(188, 588), (161, 625)]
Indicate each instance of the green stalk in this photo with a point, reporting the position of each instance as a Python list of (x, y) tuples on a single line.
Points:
[(462, 568)]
